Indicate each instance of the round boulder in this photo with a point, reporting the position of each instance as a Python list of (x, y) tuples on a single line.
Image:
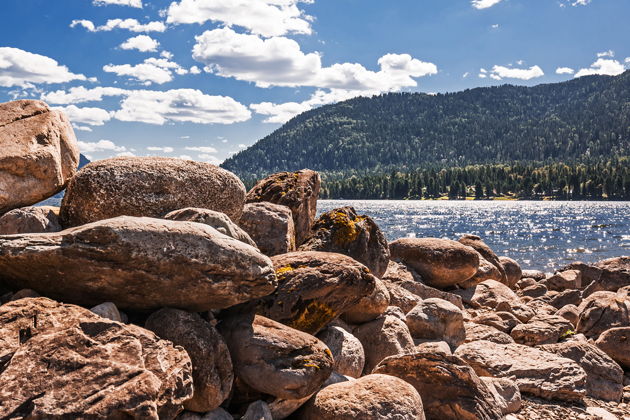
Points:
[(270, 226), (513, 271), (437, 319), (346, 349), (369, 307), (30, 220), (615, 342), (602, 311)]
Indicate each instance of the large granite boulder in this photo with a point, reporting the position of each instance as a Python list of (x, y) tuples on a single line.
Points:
[(564, 280), (382, 397), (604, 276), (30, 220), (487, 253), (370, 307), (39, 153), (346, 349), (450, 388), (513, 271), (63, 361), (487, 294), (542, 329), (296, 190), (478, 332), (270, 226), (138, 263), (437, 319), (212, 366), (442, 263), (343, 231), (602, 311), (314, 288), (615, 342), (151, 187), (275, 359), (502, 321)]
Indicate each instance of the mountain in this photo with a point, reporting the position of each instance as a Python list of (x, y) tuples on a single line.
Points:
[(581, 119)]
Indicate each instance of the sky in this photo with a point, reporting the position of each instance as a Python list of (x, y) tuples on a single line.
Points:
[(204, 79)]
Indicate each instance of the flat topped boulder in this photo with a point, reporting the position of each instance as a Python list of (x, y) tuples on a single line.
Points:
[(138, 263), (151, 187), (38, 153)]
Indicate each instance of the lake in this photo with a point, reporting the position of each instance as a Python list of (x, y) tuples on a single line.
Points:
[(543, 235)]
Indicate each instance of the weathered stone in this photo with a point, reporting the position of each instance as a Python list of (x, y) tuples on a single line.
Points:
[(107, 310), (30, 220), (63, 361), (537, 290), (346, 349), (314, 288), (540, 307), (219, 221), (138, 263), (401, 297), (258, 410), (570, 313), (486, 271), (536, 372), (437, 319), (602, 311), (275, 359), (441, 262), (604, 377), (38, 153), (218, 414), (570, 279), (270, 226), (477, 332), (487, 294), (487, 254), (502, 321), (296, 190), (525, 283), (449, 387), (542, 329), (521, 311), (370, 307), (382, 397), (441, 347), (505, 392), (24, 293), (149, 187), (568, 297), (615, 342), (533, 274), (211, 362), (512, 269)]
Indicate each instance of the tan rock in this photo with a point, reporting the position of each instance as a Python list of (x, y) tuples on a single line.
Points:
[(369, 307), (570, 313), (537, 290), (477, 332), (487, 294), (602, 311), (346, 349), (487, 254), (30, 220), (505, 392), (502, 321), (512, 269), (616, 343), (486, 271), (437, 319), (521, 311), (542, 329), (570, 279), (401, 297), (568, 297), (270, 226), (533, 274)]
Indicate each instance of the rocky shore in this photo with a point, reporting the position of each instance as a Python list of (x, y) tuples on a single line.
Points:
[(162, 289)]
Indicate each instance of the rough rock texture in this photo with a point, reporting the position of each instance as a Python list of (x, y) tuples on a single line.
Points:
[(270, 226), (346, 349), (487, 294), (401, 297), (441, 262), (534, 291), (343, 231), (296, 190), (441, 347), (275, 359), (502, 321), (30, 220), (62, 361), (602, 311), (542, 329), (570, 279), (487, 253), (380, 397), (212, 365), (450, 389), (258, 410), (38, 153), (568, 297), (314, 288), (107, 310), (151, 187), (486, 271), (604, 377), (615, 342), (437, 319), (606, 275), (533, 274), (505, 392), (138, 263), (524, 283), (476, 332), (570, 313), (214, 219), (521, 311), (536, 372), (369, 307), (513, 271), (385, 336)]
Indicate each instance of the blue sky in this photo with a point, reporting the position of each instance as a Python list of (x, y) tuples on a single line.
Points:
[(203, 79)]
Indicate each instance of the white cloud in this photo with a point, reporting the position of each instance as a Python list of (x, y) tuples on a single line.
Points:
[(87, 24), (160, 149), (262, 17), (627, 60), (209, 158), (279, 61), (575, 2), (603, 66), (130, 3), (502, 72), (130, 24), (142, 43), (184, 157), (151, 70), (89, 116), (564, 70), (195, 70), (484, 4), (495, 26), (465, 75), (24, 69), (609, 53), (100, 146), (202, 149), (80, 94)]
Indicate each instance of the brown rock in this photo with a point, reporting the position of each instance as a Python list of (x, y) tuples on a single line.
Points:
[(512, 269), (449, 387), (487, 294), (525, 283), (150, 187), (477, 332), (270, 226), (38, 153), (533, 274), (486, 271), (602, 311), (505, 392), (437, 319), (382, 397), (24, 293), (138, 263), (211, 362), (521, 311), (568, 297), (346, 349), (487, 254), (608, 275), (502, 321), (30, 220), (534, 291), (570, 279), (570, 313), (369, 307), (615, 342), (296, 190), (82, 365), (401, 297), (441, 347), (542, 329)]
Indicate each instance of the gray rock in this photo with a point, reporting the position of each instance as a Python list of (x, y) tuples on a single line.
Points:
[(346, 349), (270, 226), (107, 310), (505, 392), (30, 220), (370, 307), (258, 410), (437, 319)]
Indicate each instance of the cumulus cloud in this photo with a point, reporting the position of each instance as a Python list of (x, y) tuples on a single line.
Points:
[(100, 146), (564, 70), (142, 43), (130, 3), (602, 66), (502, 72), (151, 70), (81, 94), (202, 149), (609, 53), (24, 69), (86, 115), (575, 3), (129, 24), (160, 149), (484, 4), (279, 61), (262, 17)]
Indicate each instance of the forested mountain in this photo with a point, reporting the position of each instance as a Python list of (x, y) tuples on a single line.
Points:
[(581, 120)]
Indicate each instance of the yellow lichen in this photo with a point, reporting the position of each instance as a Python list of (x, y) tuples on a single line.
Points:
[(313, 317), (344, 230)]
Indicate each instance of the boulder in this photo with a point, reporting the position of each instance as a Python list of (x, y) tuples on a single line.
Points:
[(382, 397), (437, 319), (525, 283), (505, 393), (25, 293), (604, 377), (30, 220), (602, 311), (270, 226), (107, 310), (219, 221), (343, 231), (512, 270), (401, 297), (502, 321), (79, 364), (570, 279), (346, 349), (615, 342), (568, 297), (487, 254), (533, 274), (536, 372), (442, 263), (450, 388), (486, 271), (296, 190), (149, 187), (39, 153), (138, 263), (314, 288), (521, 311), (537, 290), (211, 362), (258, 410), (441, 347), (477, 332), (370, 307), (487, 294), (542, 329), (570, 313), (607, 275), (275, 359)]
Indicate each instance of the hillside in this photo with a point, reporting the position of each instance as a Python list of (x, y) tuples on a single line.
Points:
[(580, 119)]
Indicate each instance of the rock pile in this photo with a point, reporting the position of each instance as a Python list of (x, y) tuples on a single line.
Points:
[(162, 290)]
